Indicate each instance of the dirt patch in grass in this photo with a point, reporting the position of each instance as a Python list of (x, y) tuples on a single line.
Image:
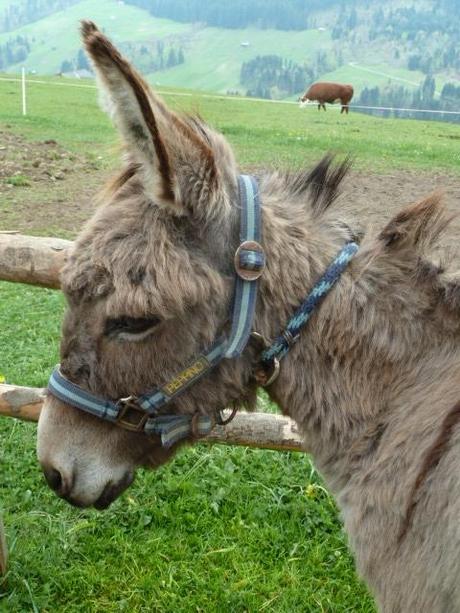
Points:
[(373, 199), (47, 190)]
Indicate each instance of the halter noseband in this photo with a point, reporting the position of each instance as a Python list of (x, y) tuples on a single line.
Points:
[(142, 413)]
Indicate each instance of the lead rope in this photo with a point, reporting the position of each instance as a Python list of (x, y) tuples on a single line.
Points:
[(268, 367)]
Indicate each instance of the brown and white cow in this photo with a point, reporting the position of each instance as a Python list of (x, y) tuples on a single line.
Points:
[(329, 92)]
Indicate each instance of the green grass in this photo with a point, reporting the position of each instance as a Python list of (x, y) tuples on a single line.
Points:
[(218, 529), (261, 132), (18, 181), (214, 56), (375, 75)]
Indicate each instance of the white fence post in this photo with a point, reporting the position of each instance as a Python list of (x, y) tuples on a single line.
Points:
[(24, 108)]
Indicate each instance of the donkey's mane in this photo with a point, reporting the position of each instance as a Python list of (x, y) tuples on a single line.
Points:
[(322, 183), (119, 180)]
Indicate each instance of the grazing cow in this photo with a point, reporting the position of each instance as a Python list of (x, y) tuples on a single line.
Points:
[(329, 92), (152, 350)]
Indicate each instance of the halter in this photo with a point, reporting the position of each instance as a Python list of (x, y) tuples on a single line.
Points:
[(143, 413)]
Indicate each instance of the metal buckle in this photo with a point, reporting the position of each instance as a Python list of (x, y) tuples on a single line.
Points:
[(129, 410), (264, 378), (289, 338), (247, 274)]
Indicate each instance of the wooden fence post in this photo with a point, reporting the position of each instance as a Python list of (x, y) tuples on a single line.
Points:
[(3, 550)]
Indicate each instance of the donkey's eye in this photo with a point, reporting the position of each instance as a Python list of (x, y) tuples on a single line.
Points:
[(130, 328)]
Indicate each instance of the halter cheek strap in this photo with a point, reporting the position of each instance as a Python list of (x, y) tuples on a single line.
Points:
[(143, 413)]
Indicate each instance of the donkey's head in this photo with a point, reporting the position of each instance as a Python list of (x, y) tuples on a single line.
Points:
[(149, 284)]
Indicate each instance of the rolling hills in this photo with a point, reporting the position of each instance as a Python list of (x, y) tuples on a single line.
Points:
[(341, 43)]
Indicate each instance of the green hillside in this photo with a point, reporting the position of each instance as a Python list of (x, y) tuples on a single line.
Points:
[(214, 56), (56, 37)]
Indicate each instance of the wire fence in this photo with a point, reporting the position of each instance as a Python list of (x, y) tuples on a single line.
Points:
[(395, 108), (383, 109)]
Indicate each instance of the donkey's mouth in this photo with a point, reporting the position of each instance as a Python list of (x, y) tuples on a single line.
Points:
[(109, 494), (112, 491)]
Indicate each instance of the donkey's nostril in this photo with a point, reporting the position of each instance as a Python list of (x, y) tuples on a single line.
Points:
[(53, 478), (55, 481)]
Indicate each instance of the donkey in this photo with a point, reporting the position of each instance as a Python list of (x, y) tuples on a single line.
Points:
[(373, 381), (329, 92)]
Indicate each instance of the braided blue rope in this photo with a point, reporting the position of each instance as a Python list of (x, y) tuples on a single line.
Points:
[(290, 334)]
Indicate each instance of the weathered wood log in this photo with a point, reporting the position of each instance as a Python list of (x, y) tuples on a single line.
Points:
[(32, 259), (21, 402), (261, 430), (3, 550)]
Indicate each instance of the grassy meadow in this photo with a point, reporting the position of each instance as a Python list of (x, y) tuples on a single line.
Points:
[(213, 55), (262, 133), (219, 529)]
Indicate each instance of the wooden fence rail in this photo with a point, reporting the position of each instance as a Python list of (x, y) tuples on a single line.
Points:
[(32, 259)]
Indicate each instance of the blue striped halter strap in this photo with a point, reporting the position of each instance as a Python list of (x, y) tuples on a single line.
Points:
[(144, 413)]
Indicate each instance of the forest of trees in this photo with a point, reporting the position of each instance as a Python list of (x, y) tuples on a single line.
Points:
[(279, 14), (422, 98), (432, 35), (18, 14), (147, 58), (155, 56), (270, 76), (14, 51)]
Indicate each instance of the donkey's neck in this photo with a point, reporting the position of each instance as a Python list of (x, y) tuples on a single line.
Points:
[(364, 321), (299, 246)]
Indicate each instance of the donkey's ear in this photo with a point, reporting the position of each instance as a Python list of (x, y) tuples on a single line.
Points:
[(418, 226), (155, 137)]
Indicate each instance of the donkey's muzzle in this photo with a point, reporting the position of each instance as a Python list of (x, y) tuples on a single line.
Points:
[(111, 492), (65, 486)]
